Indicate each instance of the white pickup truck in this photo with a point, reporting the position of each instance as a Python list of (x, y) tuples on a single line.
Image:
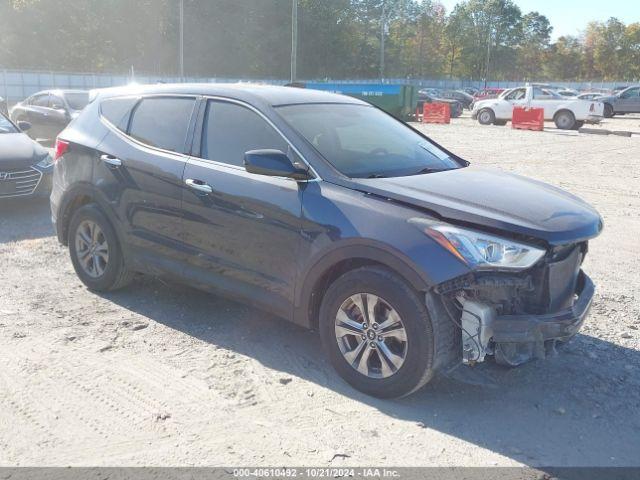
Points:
[(567, 113)]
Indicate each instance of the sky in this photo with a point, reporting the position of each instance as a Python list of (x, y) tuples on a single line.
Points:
[(569, 17)]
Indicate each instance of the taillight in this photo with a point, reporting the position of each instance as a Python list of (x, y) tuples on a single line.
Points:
[(592, 107), (61, 149)]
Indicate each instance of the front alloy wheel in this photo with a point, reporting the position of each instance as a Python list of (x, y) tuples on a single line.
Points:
[(371, 335), (379, 335)]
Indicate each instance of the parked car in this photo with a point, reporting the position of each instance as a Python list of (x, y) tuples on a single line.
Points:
[(432, 92), (463, 98), (331, 213), (589, 95), (619, 88), (626, 101), (567, 93), (25, 167), (488, 93), (471, 90), (49, 112), (567, 113), (455, 107)]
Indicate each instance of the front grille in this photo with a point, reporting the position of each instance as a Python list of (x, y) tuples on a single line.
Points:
[(554, 281), (14, 183), (546, 288)]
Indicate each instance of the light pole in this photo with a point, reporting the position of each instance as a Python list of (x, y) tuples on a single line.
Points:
[(294, 40), (382, 32), (486, 71), (181, 39)]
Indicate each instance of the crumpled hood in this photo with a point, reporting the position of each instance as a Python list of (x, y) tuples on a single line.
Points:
[(495, 199), (18, 150)]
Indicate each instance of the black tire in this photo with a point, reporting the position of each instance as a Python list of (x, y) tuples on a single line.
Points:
[(500, 123), (564, 120), (456, 110), (608, 111), (116, 275), (423, 349), (486, 116)]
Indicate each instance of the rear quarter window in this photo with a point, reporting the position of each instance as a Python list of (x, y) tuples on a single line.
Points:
[(117, 111)]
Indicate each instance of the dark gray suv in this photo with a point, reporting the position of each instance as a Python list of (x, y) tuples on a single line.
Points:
[(626, 101), (326, 211)]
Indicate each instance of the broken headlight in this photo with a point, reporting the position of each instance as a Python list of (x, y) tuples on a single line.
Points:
[(481, 250)]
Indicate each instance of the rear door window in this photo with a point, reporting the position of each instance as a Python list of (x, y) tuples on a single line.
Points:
[(230, 130), (162, 122), (117, 111)]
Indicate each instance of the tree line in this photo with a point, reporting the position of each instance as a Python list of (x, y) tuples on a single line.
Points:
[(338, 39)]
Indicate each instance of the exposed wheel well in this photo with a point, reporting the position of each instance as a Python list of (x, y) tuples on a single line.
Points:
[(77, 202), (322, 284)]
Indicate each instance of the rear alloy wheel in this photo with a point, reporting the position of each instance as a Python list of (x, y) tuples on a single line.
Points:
[(95, 250), (565, 120), (92, 248), (378, 333), (486, 116)]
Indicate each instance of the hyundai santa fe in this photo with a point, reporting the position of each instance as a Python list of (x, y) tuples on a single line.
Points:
[(326, 211)]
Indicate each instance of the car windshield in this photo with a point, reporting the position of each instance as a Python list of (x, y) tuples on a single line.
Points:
[(77, 100), (6, 126), (362, 142)]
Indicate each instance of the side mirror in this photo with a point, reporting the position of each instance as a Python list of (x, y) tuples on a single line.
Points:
[(24, 126), (272, 163)]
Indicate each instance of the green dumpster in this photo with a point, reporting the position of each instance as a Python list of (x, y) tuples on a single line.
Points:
[(398, 100)]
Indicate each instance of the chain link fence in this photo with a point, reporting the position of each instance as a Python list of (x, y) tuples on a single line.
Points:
[(15, 85)]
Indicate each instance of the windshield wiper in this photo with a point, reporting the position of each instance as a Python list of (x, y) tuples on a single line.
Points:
[(427, 170), (376, 175)]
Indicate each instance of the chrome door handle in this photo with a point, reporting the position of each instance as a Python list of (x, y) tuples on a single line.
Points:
[(111, 160), (198, 185)]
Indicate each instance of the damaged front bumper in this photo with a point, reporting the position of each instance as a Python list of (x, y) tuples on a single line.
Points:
[(514, 339), (561, 325)]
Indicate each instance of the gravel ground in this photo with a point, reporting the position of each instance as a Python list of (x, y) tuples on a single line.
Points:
[(163, 374)]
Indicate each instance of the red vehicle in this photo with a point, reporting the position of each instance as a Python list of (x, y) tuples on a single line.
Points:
[(487, 93)]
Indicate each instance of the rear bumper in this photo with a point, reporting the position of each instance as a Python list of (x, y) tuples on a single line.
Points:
[(552, 326), (594, 119)]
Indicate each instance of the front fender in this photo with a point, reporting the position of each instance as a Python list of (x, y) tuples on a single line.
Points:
[(344, 224)]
